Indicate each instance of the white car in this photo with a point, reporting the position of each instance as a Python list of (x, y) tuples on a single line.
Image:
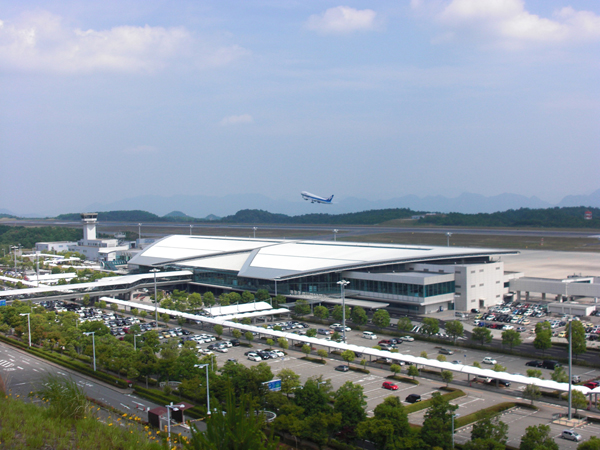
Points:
[(369, 335), (221, 349), (489, 360), (571, 435), (254, 357), (227, 343), (407, 338), (279, 353), (335, 325)]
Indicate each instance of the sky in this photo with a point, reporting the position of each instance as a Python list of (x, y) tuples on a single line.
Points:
[(106, 100)]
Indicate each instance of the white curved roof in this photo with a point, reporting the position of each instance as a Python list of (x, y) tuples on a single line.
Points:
[(280, 259)]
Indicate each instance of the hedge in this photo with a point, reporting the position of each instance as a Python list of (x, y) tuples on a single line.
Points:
[(495, 409), (359, 369), (455, 393), (402, 379), (315, 360)]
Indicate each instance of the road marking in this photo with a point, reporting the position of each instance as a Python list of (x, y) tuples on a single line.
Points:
[(125, 406), (5, 363), (19, 368), (471, 401)]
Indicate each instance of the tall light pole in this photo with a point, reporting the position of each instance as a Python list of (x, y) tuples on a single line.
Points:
[(448, 234), (93, 333), (570, 364), (191, 226), (14, 249), (134, 346), (335, 232), (205, 366), (28, 325), (343, 284), (254, 229), (37, 267), (175, 408), (154, 271), (140, 232)]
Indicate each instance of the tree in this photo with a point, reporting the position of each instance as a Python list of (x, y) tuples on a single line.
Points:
[(477, 364), (348, 356), (249, 336), (239, 428), (322, 353), (301, 307), (423, 354), (532, 392), (209, 299), (236, 333), (311, 332), (430, 326), (482, 335), (537, 438), (534, 373), (441, 358), (218, 329), (381, 318), (321, 312), (279, 300), (314, 396), (436, 430), (290, 380), (578, 400), (262, 295), (413, 371), (390, 423), (306, 349), (337, 313), (283, 343), (447, 376), (350, 403), (455, 329), (114, 307), (499, 368), (511, 338), (490, 427), (86, 300), (543, 336), (247, 297), (578, 345), (336, 336), (270, 342), (359, 316), (559, 375), (404, 324), (592, 444), (165, 317), (395, 368), (195, 300)]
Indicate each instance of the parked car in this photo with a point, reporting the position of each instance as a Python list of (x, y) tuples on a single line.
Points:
[(551, 364), (407, 338), (369, 335), (500, 382), (489, 360), (254, 357), (342, 368), (323, 331), (534, 363), (335, 325), (592, 384), (413, 398), (389, 385), (445, 351), (571, 435)]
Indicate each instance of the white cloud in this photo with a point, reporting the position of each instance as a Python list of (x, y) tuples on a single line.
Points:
[(42, 42), (234, 120), (509, 23), (342, 20)]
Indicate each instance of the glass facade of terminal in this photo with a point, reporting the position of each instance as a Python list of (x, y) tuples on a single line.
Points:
[(325, 284)]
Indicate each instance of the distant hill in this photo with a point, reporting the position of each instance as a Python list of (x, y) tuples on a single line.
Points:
[(118, 216)]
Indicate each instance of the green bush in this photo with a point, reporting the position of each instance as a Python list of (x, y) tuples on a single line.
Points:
[(315, 360), (455, 393), (402, 379)]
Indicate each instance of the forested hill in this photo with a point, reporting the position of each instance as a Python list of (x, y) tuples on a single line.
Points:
[(27, 237), (569, 217), (372, 217), (118, 216)]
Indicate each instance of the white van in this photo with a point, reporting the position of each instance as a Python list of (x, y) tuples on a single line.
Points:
[(369, 335)]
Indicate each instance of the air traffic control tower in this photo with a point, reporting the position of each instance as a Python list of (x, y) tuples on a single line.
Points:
[(89, 226)]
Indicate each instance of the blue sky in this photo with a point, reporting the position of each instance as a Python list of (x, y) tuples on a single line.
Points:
[(102, 101)]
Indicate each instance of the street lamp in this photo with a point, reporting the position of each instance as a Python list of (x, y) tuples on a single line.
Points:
[(28, 325), (191, 226), (154, 271), (335, 232), (448, 234), (140, 232), (14, 248), (343, 284), (254, 229), (570, 364), (175, 408), (134, 346), (93, 333), (453, 416), (205, 366)]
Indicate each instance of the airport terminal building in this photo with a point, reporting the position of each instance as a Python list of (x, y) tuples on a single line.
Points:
[(418, 279)]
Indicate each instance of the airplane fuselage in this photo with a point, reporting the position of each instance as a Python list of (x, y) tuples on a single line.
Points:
[(315, 198)]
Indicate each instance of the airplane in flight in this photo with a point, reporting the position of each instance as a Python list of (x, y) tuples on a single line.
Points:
[(315, 198)]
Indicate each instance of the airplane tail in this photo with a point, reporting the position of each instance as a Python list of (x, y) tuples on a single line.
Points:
[(330, 198)]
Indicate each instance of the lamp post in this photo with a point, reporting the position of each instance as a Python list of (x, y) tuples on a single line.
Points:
[(448, 234), (28, 325), (453, 416), (335, 232), (93, 333), (570, 365), (140, 232), (14, 248), (191, 226), (205, 366), (154, 271), (254, 229), (175, 408), (37, 268), (134, 345), (343, 284)]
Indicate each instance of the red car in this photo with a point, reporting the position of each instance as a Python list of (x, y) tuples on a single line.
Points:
[(592, 384), (389, 385)]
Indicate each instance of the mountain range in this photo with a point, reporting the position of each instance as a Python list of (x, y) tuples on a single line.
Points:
[(201, 206)]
